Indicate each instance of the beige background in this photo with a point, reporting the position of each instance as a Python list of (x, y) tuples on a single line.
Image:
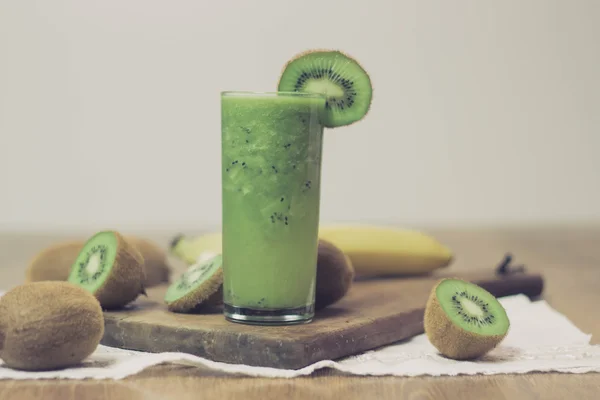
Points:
[(485, 112)]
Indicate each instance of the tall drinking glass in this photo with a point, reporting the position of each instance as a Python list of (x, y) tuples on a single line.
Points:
[(271, 175)]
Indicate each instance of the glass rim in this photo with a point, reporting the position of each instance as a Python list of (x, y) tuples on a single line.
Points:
[(275, 93)]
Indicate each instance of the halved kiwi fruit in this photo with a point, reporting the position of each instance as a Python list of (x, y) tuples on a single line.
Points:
[(463, 320), (345, 83), (200, 285), (111, 268), (48, 326)]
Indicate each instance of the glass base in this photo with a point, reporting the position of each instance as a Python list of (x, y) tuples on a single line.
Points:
[(285, 316)]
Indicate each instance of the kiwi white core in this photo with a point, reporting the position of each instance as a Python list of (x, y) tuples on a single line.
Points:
[(471, 308), (324, 86), (93, 265)]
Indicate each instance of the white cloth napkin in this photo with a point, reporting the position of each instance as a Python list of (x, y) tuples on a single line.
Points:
[(540, 339)]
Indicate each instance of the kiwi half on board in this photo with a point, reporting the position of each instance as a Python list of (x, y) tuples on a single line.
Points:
[(464, 321), (335, 74), (200, 285), (111, 268)]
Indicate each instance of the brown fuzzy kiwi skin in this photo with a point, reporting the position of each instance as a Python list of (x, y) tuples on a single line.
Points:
[(3, 330), (54, 262), (451, 340), (210, 293), (48, 326), (158, 270), (126, 279), (324, 50), (335, 274)]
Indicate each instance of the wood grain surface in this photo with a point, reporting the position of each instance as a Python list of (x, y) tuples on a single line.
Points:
[(567, 256), (375, 313)]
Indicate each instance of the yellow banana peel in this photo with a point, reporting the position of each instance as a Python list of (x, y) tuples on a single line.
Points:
[(373, 250)]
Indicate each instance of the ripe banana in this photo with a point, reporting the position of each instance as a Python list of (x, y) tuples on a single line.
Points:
[(373, 250), (379, 250), (194, 249)]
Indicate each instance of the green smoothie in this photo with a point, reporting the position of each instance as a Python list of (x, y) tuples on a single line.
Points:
[(271, 173)]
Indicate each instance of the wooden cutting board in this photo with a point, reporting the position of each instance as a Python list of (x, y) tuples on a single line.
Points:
[(373, 314)]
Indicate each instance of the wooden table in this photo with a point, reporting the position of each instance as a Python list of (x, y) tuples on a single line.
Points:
[(568, 256)]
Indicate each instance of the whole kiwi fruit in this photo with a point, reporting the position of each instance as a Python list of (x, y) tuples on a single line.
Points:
[(48, 325), (111, 268), (54, 262), (335, 274), (156, 264)]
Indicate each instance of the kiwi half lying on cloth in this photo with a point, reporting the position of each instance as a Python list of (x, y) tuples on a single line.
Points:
[(463, 320)]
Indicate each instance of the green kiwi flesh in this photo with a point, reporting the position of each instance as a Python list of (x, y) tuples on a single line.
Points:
[(48, 326), (345, 83), (201, 284), (463, 320), (111, 268)]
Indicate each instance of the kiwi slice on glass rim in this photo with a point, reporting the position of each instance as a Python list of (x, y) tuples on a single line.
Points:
[(338, 76)]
